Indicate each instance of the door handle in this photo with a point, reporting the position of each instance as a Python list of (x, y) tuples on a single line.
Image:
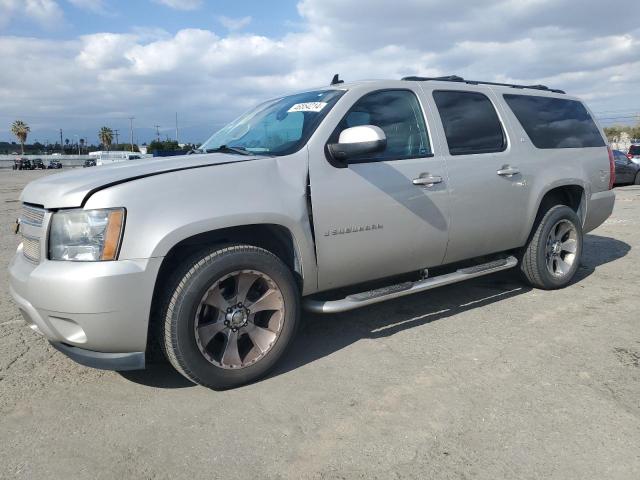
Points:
[(508, 171), (427, 180)]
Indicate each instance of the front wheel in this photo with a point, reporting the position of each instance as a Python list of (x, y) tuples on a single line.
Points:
[(230, 315), (552, 255)]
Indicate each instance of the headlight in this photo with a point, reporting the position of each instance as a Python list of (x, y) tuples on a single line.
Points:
[(86, 235)]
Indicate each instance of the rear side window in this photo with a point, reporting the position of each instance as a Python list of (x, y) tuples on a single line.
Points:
[(555, 122), (470, 122), (634, 150)]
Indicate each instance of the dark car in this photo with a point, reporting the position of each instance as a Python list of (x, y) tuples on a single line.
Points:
[(54, 164), (634, 151), (91, 162), (626, 170), (22, 164), (37, 163)]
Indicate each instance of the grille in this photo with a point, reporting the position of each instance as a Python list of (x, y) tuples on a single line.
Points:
[(32, 215), (31, 248), (31, 222)]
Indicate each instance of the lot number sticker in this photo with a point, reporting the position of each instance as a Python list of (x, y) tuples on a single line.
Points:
[(308, 107)]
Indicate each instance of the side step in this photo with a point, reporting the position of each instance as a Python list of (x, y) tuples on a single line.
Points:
[(370, 297)]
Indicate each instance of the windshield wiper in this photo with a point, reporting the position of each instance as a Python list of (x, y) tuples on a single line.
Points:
[(228, 149)]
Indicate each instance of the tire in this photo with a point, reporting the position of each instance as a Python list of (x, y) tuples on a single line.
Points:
[(552, 255), (637, 179), (206, 296)]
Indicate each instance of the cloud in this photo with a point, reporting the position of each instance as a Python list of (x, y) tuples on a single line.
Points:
[(45, 12), (233, 24), (181, 4), (210, 78), (95, 6)]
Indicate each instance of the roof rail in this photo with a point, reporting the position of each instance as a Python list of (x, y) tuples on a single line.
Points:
[(456, 78)]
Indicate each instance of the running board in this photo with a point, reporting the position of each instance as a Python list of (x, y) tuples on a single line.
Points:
[(370, 297)]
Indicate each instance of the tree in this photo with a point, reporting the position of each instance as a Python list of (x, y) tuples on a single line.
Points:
[(160, 146), (81, 144), (106, 137), (21, 131)]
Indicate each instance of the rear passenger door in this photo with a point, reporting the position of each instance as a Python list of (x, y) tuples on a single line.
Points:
[(488, 190)]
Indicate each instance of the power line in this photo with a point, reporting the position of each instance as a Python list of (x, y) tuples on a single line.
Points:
[(131, 119)]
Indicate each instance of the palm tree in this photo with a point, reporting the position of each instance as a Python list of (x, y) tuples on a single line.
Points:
[(21, 131), (106, 137), (81, 145)]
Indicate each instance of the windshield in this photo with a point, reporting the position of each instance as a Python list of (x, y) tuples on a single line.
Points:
[(276, 127)]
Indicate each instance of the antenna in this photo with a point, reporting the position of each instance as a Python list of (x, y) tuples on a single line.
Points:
[(336, 79), (157, 132)]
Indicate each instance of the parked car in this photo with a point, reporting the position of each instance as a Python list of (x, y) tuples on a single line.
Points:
[(37, 163), (634, 153), (90, 162), (212, 255), (22, 164), (54, 164), (627, 171)]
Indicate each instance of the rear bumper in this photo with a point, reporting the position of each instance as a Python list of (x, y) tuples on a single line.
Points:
[(101, 360), (599, 209)]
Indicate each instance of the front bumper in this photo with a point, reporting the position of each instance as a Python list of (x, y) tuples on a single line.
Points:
[(95, 312), (101, 360)]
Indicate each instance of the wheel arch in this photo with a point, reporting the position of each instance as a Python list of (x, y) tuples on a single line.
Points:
[(572, 194), (274, 238)]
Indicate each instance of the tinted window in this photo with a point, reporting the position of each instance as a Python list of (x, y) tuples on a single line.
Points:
[(470, 122), (634, 150), (555, 122), (620, 157), (398, 114)]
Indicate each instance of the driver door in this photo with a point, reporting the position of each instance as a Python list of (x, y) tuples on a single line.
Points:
[(372, 218)]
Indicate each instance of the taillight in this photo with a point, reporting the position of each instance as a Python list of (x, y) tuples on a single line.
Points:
[(612, 169), (629, 156)]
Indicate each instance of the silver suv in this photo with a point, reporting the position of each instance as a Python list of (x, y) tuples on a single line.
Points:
[(212, 255)]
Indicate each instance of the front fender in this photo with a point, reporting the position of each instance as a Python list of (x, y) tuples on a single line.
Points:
[(165, 209)]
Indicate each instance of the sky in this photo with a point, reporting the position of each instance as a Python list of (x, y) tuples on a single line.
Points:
[(82, 64)]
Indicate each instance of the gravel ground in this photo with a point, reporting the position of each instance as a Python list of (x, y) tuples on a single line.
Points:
[(484, 380)]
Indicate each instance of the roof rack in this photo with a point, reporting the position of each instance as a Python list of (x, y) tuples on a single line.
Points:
[(456, 78)]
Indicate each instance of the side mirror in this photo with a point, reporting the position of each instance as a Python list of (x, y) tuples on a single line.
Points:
[(356, 141)]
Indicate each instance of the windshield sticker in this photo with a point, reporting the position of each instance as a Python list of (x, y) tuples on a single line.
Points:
[(307, 107)]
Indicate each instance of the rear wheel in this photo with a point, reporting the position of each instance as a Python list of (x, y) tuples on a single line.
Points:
[(637, 179), (230, 316), (552, 255)]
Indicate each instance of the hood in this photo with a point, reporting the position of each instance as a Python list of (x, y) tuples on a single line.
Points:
[(71, 189)]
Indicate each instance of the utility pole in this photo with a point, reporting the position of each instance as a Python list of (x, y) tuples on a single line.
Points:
[(157, 132), (117, 135), (177, 139), (131, 130)]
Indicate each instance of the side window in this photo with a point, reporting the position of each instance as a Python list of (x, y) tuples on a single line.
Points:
[(470, 122), (555, 122), (620, 157), (398, 114)]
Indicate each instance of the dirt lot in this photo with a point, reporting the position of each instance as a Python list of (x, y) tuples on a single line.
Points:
[(483, 380)]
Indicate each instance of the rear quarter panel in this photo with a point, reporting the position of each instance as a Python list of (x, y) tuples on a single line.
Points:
[(552, 168)]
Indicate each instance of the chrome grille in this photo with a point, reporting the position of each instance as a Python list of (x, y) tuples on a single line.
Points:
[(32, 215), (31, 248), (31, 227)]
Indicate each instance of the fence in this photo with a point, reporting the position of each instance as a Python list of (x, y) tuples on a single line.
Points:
[(6, 161)]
